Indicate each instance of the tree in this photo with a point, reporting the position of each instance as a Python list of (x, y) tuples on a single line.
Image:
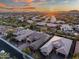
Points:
[(4, 55), (76, 56), (10, 36), (33, 25), (27, 50)]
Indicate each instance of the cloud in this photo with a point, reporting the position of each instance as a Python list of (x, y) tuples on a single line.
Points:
[(66, 1), (2, 5), (39, 0), (28, 1)]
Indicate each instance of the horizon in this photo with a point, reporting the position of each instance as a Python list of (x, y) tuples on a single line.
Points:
[(38, 5)]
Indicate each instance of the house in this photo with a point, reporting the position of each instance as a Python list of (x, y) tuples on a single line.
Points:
[(23, 46), (66, 28), (31, 38), (21, 35), (1, 16), (22, 31), (36, 18), (19, 29), (37, 44), (60, 22), (76, 27), (34, 36), (29, 21), (76, 34), (4, 29), (47, 19), (52, 25), (41, 23), (61, 44), (21, 19), (33, 18), (47, 48), (52, 19), (43, 17), (6, 16)]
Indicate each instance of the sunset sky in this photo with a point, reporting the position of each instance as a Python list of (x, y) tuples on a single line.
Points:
[(38, 5)]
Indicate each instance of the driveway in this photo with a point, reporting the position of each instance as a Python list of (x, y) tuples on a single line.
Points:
[(54, 55)]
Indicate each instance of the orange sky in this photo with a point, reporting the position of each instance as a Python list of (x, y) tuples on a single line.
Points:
[(2, 5), (22, 9), (39, 5), (29, 1)]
